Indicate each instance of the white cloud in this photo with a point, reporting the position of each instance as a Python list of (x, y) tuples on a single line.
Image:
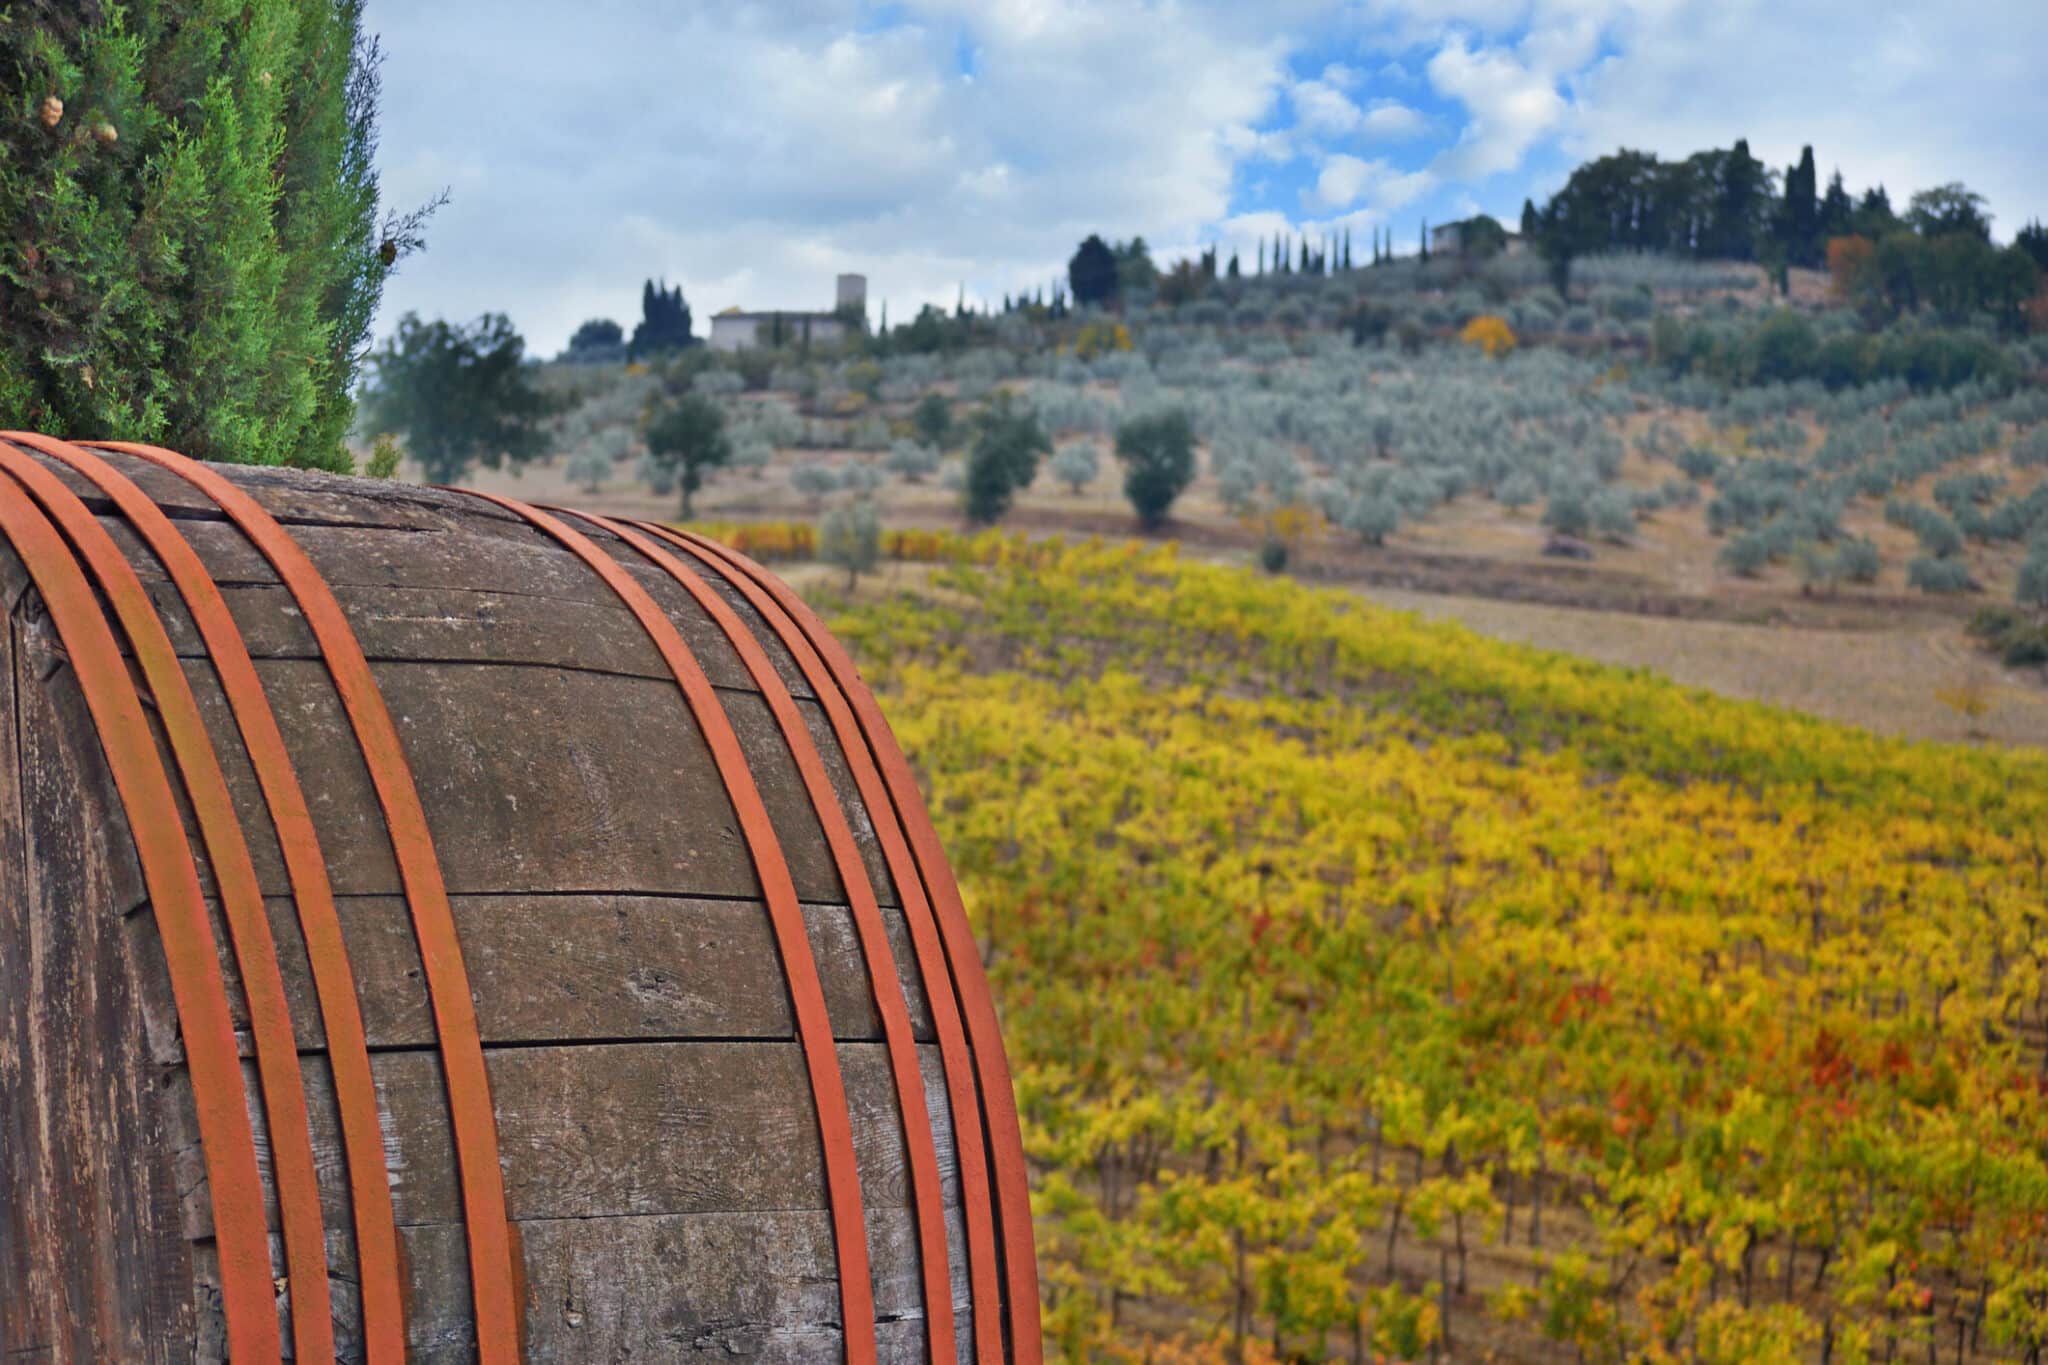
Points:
[(1912, 97), (1320, 108), (1512, 105), (1389, 120), (1344, 181), (750, 151), (750, 154)]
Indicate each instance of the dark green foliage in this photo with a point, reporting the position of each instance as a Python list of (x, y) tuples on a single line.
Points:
[(1481, 237), (2033, 239), (1837, 211), (1273, 554), (664, 321), (194, 252), (1007, 447), (1798, 223), (1713, 204), (1091, 274), (1697, 462), (1783, 347), (599, 341), (932, 419), (461, 395), (687, 435), (1367, 321), (1950, 208), (1874, 217), (1956, 274), (1158, 455), (1134, 268)]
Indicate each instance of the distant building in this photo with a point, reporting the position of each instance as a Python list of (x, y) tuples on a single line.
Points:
[(1454, 239), (736, 328)]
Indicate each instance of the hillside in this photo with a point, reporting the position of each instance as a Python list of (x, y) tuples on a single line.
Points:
[(1374, 988)]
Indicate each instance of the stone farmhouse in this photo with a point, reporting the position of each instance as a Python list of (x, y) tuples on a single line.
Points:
[(736, 328)]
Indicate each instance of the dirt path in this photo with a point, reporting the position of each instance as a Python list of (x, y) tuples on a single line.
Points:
[(1885, 680)]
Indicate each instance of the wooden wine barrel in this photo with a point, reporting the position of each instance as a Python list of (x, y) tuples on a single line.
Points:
[(434, 928)]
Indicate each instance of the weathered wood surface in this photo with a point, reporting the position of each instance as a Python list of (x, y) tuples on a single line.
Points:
[(90, 1207), (658, 1138)]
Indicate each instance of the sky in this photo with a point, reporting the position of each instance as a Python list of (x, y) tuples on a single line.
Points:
[(751, 152)]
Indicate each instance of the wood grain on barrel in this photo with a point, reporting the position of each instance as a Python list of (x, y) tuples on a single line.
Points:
[(317, 929), (282, 1093), (1009, 1172), (913, 1112), (492, 1269), (83, 647), (932, 965), (664, 1183)]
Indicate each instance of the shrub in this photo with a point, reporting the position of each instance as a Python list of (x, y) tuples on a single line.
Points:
[(2024, 647), (1697, 462), (1940, 576), (2032, 589), (1611, 516), (1517, 490), (1490, 333), (1938, 535), (1566, 512), (1273, 554), (911, 461), (851, 538), (860, 478), (2031, 450), (814, 480), (1076, 464), (384, 457), (1746, 554), (1158, 455), (1858, 561), (933, 420), (1372, 519), (588, 469)]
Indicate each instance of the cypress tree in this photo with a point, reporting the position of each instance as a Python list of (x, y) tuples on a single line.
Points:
[(1798, 222), (195, 251), (1425, 241), (1529, 221)]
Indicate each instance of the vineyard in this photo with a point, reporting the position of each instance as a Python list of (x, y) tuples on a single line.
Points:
[(1376, 991)]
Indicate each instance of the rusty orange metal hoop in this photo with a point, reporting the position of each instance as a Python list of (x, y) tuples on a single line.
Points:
[(493, 1279), (226, 1134), (874, 936), (807, 996), (241, 897), (969, 1138), (1011, 1174), (377, 1260)]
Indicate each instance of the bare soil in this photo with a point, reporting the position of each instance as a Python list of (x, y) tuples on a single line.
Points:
[(1875, 655)]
